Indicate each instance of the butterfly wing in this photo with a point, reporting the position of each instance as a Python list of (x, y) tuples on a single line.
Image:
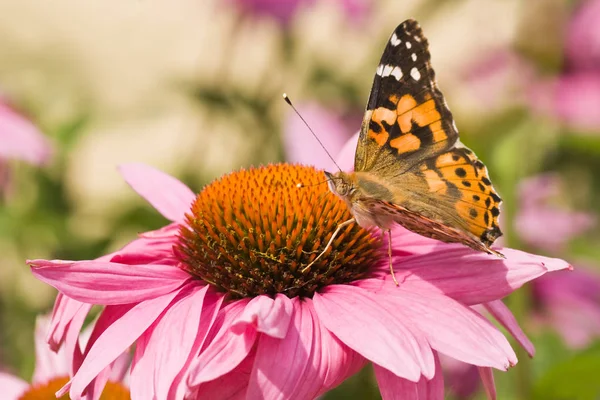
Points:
[(407, 119), (424, 226), (409, 143)]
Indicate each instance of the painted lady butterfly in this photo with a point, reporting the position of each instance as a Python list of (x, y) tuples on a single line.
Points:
[(410, 167)]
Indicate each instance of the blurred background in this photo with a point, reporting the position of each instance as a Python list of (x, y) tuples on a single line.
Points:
[(194, 88)]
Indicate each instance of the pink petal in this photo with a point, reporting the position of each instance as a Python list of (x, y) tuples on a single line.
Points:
[(337, 361), (231, 386), (106, 283), (468, 276), (141, 369), (317, 360), (487, 377), (393, 387), (166, 232), (266, 315), (509, 322), (167, 195), (302, 147), (227, 349), (65, 310), (368, 327), (12, 387), (269, 380), (450, 327), (174, 339), (116, 338), (147, 250), (71, 345), (20, 139)]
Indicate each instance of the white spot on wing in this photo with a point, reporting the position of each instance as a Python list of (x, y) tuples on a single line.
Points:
[(413, 56), (416, 75), (397, 73), (379, 69), (387, 70), (408, 45), (394, 40), (418, 39)]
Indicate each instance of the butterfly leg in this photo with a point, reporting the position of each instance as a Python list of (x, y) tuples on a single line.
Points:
[(335, 233), (389, 231)]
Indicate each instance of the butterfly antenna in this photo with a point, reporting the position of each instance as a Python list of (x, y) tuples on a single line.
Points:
[(287, 100)]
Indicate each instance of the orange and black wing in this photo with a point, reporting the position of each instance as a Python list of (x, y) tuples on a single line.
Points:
[(407, 119), (409, 141)]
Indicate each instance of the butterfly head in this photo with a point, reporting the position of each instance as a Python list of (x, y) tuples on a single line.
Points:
[(341, 184)]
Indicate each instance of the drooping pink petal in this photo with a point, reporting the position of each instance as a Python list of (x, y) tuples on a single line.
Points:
[(64, 311), (12, 387), (302, 147), (468, 276), (337, 361), (167, 195), (116, 338), (225, 350), (141, 369), (462, 380), (509, 322), (231, 386), (174, 339), (487, 377), (20, 139), (212, 305), (71, 343), (268, 380), (99, 282), (393, 387), (450, 327), (310, 362), (266, 315), (371, 329)]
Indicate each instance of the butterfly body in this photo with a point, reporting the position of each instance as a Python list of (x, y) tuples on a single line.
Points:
[(410, 167)]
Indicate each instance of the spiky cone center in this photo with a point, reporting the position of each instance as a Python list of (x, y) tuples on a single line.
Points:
[(47, 390), (254, 232)]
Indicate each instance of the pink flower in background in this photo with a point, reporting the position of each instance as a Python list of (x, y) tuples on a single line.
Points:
[(284, 11), (583, 37), (52, 371), (540, 223), (20, 139), (570, 303), (573, 97), (495, 81)]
